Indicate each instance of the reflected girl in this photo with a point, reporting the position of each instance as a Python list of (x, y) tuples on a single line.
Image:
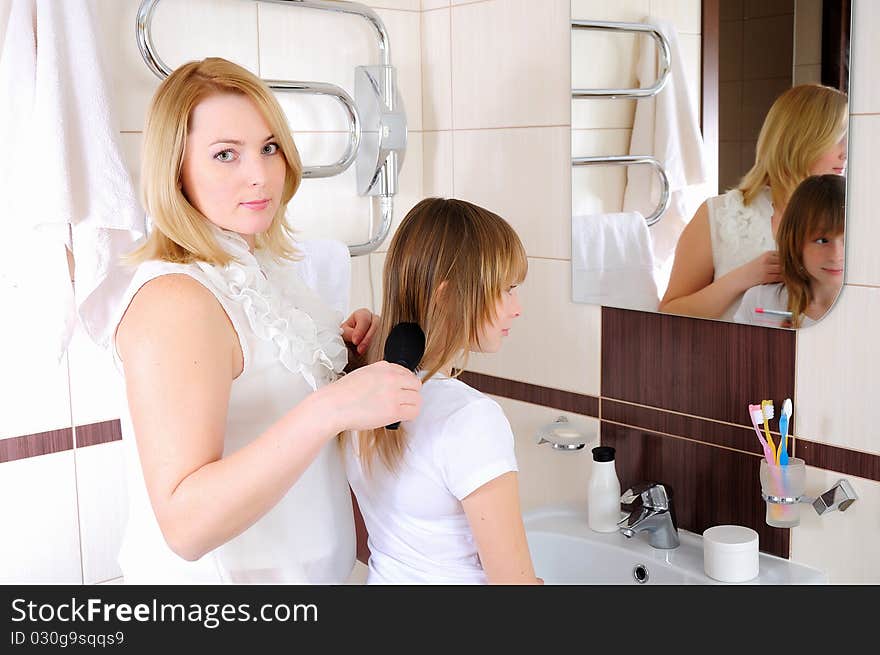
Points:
[(811, 253)]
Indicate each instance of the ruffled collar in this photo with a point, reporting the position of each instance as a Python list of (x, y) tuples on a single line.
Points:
[(281, 309)]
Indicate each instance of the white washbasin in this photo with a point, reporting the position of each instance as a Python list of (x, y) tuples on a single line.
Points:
[(565, 551)]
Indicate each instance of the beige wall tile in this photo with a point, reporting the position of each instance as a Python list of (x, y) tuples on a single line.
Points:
[(436, 70), (510, 64), (811, 74), (36, 394), (407, 5), (843, 544), (862, 230), (624, 10), (427, 5), (437, 161), (40, 543), (836, 369), (331, 208), (685, 15), (808, 32), (598, 189), (545, 475), (555, 343), (865, 49), (523, 175), (97, 391), (103, 509), (291, 43), (182, 30)]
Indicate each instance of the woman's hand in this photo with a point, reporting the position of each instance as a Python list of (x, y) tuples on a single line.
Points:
[(374, 396), (359, 329), (763, 269)]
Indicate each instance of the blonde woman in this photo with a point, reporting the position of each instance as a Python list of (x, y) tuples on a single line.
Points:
[(729, 245), (231, 363), (439, 496)]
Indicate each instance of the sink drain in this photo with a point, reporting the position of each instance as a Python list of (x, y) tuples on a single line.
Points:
[(640, 573)]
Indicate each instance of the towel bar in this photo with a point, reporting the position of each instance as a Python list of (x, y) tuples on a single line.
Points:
[(662, 46), (662, 77), (378, 165), (626, 160)]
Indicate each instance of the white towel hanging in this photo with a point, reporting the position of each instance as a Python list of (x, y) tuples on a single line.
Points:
[(62, 178)]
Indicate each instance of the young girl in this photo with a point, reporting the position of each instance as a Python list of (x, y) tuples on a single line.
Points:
[(811, 254), (439, 495)]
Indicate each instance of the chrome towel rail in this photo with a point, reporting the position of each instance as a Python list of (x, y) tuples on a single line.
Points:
[(626, 160), (379, 163), (662, 44)]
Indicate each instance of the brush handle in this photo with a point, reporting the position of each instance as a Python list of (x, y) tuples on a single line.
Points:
[(783, 443)]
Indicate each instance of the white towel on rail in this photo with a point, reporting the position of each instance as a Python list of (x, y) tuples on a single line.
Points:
[(62, 178), (612, 261), (325, 267), (667, 127)]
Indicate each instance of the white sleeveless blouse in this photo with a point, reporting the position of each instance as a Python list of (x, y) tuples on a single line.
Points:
[(291, 342), (739, 233)]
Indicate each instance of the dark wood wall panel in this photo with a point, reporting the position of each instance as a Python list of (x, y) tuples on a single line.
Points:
[(710, 485), (532, 393), (701, 367)]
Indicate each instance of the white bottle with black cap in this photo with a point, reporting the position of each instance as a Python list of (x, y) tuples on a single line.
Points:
[(603, 493)]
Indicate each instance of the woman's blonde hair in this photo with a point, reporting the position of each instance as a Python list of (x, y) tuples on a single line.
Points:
[(817, 208), (181, 233), (803, 124), (446, 269)]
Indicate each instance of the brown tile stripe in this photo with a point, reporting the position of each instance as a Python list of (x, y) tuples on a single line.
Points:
[(693, 366), (56, 441), (841, 460), (98, 433), (832, 458), (532, 393), (31, 445), (656, 420), (710, 486)]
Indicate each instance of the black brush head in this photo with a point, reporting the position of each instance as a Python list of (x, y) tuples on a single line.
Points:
[(405, 345)]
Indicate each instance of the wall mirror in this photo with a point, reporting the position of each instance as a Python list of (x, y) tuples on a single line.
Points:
[(643, 165)]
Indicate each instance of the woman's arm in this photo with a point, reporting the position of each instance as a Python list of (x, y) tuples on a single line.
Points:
[(493, 513), (179, 366), (692, 289)]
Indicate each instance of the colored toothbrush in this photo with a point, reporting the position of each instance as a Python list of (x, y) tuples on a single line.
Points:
[(768, 412), (757, 415), (784, 416)]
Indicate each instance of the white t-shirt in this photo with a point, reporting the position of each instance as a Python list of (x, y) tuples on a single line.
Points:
[(418, 531), (766, 296)]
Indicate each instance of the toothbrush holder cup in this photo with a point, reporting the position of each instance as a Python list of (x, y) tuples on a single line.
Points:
[(782, 488)]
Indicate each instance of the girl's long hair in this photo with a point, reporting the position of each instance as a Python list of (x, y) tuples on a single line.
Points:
[(446, 268), (817, 207)]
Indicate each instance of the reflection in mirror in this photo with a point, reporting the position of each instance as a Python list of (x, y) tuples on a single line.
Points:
[(755, 104)]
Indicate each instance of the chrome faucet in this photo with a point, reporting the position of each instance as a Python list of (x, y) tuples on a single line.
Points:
[(650, 507)]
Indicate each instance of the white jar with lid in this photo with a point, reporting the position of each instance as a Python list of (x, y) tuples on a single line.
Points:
[(730, 553)]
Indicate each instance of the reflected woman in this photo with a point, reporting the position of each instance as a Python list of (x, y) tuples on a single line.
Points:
[(730, 244)]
